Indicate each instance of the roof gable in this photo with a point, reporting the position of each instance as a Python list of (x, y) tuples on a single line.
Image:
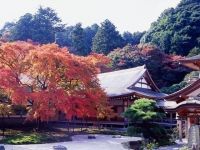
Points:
[(121, 82)]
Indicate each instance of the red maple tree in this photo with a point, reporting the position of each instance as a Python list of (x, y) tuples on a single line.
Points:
[(49, 80)]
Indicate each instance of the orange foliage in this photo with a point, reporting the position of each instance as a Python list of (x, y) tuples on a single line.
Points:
[(49, 79), (102, 62)]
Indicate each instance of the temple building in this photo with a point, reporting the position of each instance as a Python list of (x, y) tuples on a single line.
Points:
[(187, 100), (124, 86)]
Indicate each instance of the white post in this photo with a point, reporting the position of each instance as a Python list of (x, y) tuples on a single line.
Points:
[(180, 132)]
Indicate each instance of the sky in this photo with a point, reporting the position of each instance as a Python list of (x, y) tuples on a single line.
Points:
[(127, 15)]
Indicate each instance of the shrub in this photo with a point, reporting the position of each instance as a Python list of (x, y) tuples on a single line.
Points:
[(33, 138), (133, 131), (142, 112), (174, 87), (150, 145)]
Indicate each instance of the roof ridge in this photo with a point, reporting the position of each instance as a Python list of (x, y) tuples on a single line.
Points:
[(123, 70)]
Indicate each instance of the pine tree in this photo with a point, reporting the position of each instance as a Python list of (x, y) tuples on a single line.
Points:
[(107, 38), (77, 38)]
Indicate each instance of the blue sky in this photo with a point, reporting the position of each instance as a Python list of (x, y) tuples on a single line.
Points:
[(127, 15)]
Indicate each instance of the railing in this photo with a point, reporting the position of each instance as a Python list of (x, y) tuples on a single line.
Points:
[(166, 121)]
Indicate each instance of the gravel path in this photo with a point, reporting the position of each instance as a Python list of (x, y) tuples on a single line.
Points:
[(81, 142)]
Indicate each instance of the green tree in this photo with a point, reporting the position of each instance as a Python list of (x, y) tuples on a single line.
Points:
[(174, 87), (89, 33), (64, 38), (6, 31), (176, 30), (77, 39), (45, 25), (23, 29), (127, 57), (107, 38), (40, 27), (195, 51), (132, 39), (141, 113)]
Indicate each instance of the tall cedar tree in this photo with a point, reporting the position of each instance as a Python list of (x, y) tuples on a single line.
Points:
[(40, 27), (77, 38), (106, 38)]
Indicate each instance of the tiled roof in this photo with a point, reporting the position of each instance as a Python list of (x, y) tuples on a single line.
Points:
[(148, 93), (117, 82), (172, 105)]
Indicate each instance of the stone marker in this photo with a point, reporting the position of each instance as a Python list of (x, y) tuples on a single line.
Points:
[(91, 137), (194, 138), (58, 147), (2, 147)]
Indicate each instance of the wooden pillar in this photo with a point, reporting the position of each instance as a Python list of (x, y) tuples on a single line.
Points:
[(180, 130), (123, 105), (171, 117), (197, 120), (186, 128), (188, 122)]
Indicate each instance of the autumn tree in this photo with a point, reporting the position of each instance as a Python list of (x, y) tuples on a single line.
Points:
[(5, 111), (162, 67), (49, 79)]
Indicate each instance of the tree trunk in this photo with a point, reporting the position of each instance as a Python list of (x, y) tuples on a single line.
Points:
[(81, 124), (3, 126), (38, 122)]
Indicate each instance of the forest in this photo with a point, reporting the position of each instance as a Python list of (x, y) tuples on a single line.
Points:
[(175, 34)]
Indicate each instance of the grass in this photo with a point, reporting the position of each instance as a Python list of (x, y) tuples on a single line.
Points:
[(33, 138), (18, 137), (106, 132)]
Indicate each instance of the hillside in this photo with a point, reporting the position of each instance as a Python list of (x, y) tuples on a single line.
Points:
[(177, 30), (163, 67)]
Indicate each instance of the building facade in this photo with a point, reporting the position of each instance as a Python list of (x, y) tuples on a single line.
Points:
[(123, 87)]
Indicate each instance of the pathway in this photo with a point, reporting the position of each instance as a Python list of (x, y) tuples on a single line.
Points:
[(81, 142)]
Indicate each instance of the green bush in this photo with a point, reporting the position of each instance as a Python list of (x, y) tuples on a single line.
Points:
[(133, 131), (142, 113), (33, 138), (173, 133), (150, 145), (174, 88)]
